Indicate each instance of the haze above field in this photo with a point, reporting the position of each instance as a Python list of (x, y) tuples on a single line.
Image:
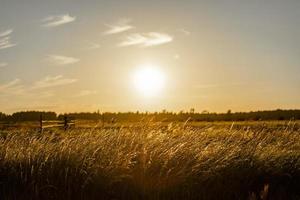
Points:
[(74, 55)]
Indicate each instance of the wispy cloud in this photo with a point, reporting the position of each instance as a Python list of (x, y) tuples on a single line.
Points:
[(53, 21), (5, 39), (6, 33), (10, 84), (12, 87), (52, 81), (93, 45), (121, 26), (62, 60), (185, 32), (3, 64), (86, 93), (36, 90), (147, 39)]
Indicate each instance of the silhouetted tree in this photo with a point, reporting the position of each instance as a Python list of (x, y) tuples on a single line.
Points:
[(3, 116), (32, 116), (192, 110), (158, 116)]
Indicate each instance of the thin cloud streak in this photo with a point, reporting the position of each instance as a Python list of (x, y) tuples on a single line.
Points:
[(62, 60), (54, 21), (52, 81), (10, 84), (121, 26), (185, 32), (13, 87), (3, 64), (146, 39), (93, 46), (6, 32), (46, 82), (36, 90), (5, 39)]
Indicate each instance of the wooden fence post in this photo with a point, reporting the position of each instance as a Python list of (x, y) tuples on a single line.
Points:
[(103, 120), (65, 123), (41, 123)]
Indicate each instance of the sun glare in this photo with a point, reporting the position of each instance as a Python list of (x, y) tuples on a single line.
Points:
[(149, 80)]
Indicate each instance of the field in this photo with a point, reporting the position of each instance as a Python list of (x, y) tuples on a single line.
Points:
[(248, 160)]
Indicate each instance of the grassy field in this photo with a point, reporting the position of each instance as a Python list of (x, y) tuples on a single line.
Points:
[(248, 160)]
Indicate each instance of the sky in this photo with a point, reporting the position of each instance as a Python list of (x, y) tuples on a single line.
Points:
[(215, 55)]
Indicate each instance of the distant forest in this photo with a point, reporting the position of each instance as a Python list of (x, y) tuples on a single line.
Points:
[(156, 116)]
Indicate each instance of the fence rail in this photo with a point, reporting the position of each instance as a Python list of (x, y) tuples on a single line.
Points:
[(41, 124), (65, 123), (52, 121)]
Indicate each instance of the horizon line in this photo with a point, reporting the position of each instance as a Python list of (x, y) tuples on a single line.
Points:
[(153, 112)]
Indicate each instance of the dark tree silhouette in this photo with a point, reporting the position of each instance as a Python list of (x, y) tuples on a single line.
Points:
[(164, 115)]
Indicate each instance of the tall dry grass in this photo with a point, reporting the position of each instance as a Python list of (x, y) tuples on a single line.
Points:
[(151, 162)]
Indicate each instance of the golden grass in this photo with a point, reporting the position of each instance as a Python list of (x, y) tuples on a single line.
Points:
[(152, 162)]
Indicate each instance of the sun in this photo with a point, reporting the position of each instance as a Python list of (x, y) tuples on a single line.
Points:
[(149, 80)]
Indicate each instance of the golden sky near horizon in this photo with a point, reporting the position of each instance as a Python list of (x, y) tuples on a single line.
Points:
[(129, 55)]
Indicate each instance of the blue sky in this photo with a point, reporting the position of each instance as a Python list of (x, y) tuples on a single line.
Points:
[(74, 55)]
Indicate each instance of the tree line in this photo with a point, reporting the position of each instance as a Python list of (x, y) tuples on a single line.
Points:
[(155, 116)]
